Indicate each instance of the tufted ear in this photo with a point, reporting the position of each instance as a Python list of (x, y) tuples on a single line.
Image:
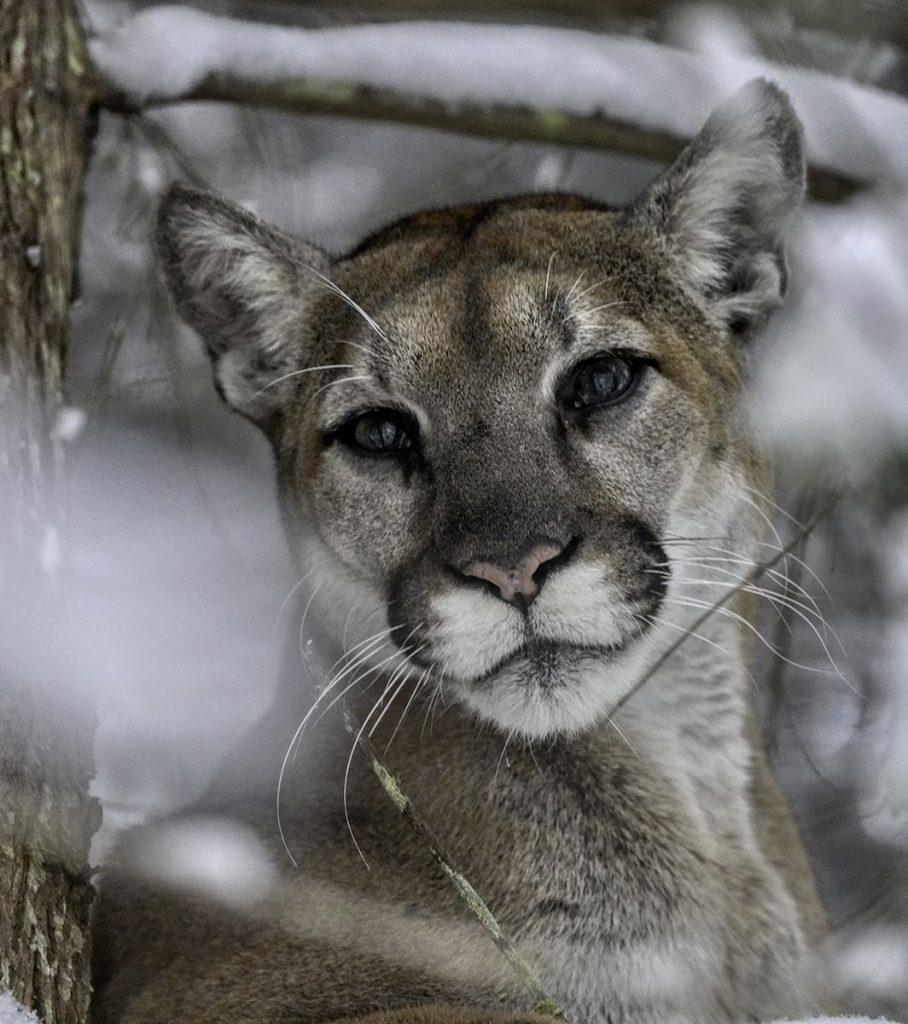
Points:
[(722, 208), (246, 288)]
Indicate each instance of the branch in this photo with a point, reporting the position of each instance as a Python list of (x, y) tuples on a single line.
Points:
[(864, 20), (500, 121), (478, 907)]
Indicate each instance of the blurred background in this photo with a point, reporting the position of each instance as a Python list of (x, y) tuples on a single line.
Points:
[(177, 570)]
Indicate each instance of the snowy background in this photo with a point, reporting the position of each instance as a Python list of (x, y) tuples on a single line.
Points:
[(176, 568)]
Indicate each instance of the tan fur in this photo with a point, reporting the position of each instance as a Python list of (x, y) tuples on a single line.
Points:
[(630, 839)]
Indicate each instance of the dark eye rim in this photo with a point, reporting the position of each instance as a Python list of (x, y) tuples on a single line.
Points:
[(345, 431), (636, 361)]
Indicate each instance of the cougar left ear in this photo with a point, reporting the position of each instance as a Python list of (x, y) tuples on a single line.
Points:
[(722, 208), (246, 288)]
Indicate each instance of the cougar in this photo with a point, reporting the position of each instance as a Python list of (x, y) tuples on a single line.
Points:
[(516, 472)]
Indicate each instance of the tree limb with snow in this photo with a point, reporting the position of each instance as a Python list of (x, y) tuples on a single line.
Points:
[(530, 83)]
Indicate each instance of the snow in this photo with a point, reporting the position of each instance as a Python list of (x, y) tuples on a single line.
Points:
[(69, 424), (163, 52), (211, 855), (13, 1012), (834, 377), (884, 796), (877, 959)]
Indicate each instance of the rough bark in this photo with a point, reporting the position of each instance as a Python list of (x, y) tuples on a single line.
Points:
[(47, 818)]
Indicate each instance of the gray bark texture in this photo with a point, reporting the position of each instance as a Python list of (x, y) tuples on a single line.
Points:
[(47, 818)]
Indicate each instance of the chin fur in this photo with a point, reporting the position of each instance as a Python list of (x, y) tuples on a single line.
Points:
[(559, 692)]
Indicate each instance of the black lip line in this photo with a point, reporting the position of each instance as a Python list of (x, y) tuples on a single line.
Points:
[(541, 646), (544, 646)]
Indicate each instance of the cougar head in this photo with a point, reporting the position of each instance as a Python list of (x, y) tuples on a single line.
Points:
[(487, 420)]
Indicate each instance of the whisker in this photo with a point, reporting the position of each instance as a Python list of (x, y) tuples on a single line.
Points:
[(657, 621), (798, 608), (765, 498), (718, 605), (789, 554), (293, 747), (373, 670), (386, 632), (299, 373), (376, 643), (589, 288), (789, 583), (605, 305), (695, 603), (365, 349), (400, 649), (364, 655), (501, 756), (296, 586), (419, 685), (353, 748), (528, 745), (404, 672), (342, 380), (429, 717), (580, 277), (630, 746), (341, 294), (316, 589), (669, 539), (548, 274), (777, 599)]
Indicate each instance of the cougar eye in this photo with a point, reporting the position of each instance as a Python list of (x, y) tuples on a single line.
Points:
[(597, 382), (381, 432)]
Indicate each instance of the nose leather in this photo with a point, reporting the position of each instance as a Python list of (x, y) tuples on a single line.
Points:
[(516, 580)]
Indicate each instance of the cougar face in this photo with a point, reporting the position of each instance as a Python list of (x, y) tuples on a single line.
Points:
[(490, 420)]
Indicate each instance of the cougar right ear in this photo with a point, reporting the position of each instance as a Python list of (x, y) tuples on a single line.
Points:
[(246, 288), (721, 210)]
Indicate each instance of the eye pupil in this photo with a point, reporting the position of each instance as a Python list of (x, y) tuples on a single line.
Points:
[(605, 382), (378, 433), (600, 381)]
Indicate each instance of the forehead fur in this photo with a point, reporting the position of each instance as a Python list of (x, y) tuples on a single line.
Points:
[(490, 288)]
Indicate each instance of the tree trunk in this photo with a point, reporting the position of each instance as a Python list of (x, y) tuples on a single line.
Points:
[(47, 818)]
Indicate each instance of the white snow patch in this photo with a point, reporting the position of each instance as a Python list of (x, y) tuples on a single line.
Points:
[(163, 52), (883, 801), (709, 30), (50, 553), (876, 961), (69, 424), (215, 856), (831, 379), (13, 1012)]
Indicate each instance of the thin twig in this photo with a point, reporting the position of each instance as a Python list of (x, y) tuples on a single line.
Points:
[(499, 121), (478, 907)]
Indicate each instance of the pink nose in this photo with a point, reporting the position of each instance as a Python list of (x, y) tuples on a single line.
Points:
[(517, 579)]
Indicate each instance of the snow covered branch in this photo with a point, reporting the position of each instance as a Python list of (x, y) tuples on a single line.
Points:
[(501, 121), (514, 82)]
